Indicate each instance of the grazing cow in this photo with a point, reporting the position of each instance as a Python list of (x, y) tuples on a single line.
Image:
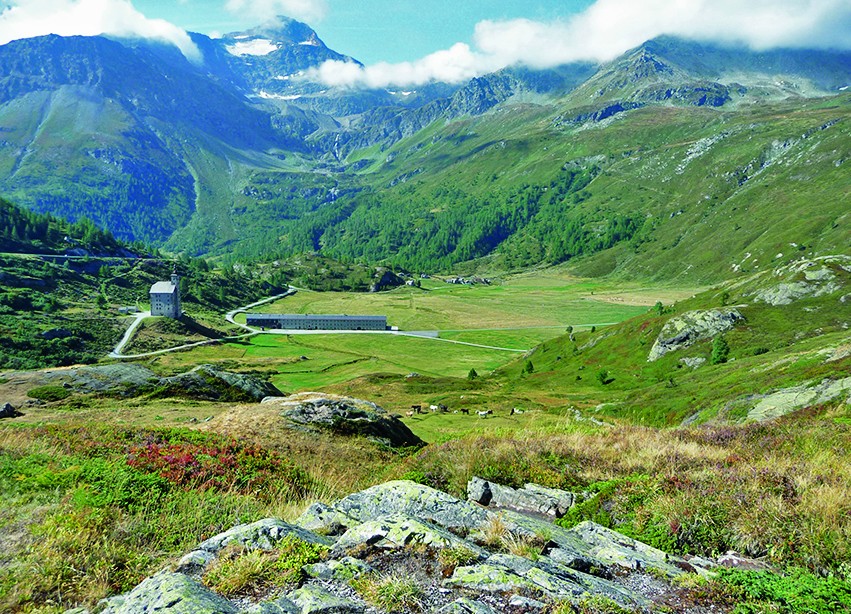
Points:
[(410, 414), (433, 407), (515, 411), (442, 407), (485, 413), (464, 410), (418, 409)]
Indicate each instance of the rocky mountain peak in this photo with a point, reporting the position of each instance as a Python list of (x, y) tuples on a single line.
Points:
[(281, 31)]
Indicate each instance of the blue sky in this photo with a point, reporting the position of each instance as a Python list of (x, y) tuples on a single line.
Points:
[(375, 30)]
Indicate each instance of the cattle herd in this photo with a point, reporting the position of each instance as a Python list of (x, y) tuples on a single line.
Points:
[(441, 408)]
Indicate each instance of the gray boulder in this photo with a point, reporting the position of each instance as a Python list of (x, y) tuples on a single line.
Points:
[(312, 599), (345, 416), (506, 573), (261, 535), (399, 532), (612, 548), (806, 278), (689, 328), (282, 605), (531, 498), (326, 520), (403, 497), (209, 383), (169, 593), (8, 411)]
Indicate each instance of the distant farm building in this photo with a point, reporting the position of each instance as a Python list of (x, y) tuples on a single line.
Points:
[(315, 322), (165, 298)]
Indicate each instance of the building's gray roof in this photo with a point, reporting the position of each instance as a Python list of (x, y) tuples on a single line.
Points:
[(301, 316), (163, 287)]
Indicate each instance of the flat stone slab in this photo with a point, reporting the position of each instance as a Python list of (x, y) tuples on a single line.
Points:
[(403, 497), (312, 599), (530, 498), (169, 593), (613, 548), (326, 520), (398, 532)]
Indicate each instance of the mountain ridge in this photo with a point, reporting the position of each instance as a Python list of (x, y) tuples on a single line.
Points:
[(135, 134)]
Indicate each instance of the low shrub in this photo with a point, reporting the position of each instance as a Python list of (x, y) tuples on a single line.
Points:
[(49, 393), (796, 591)]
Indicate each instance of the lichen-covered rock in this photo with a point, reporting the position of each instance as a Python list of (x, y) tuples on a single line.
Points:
[(689, 328), (531, 497), (403, 497), (466, 606), (788, 293), (313, 599), (195, 561), (490, 578), (613, 548), (806, 279), (345, 416), (562, 582), (344, 570), (282, 605), (397, 532), (169, 593), (787, 400), (325, 520), (261, 535)]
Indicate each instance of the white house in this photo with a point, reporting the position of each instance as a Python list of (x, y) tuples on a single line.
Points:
[(165, 298)]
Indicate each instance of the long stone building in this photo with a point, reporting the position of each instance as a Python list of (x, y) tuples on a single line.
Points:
[(315, 322), (165, 298)]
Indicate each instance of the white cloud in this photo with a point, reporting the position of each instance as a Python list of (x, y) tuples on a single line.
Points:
[(310, 11), (607, 29), (29, 18)]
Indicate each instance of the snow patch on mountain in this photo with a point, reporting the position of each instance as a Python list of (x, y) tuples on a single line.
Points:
[(257, 46)]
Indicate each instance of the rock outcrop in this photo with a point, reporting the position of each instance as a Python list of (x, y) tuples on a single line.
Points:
[(687, 329), (530, 498), (345, 416), (807, 279), (787, 400), (208, 382), (204, 382), (403, 529)]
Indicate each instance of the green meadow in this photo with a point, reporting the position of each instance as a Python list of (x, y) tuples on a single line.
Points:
[(508, 317), (520, 302)]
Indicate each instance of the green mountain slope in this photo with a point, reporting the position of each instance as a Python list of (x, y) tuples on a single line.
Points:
[(787, 343), (663, 190)]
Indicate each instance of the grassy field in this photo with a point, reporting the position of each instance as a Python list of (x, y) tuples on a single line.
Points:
[(529, 301), (510, 316)]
